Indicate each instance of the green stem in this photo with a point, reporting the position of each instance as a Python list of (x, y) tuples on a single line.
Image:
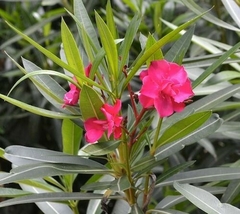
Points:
[(75, 208), (145, 196), (155, 141)]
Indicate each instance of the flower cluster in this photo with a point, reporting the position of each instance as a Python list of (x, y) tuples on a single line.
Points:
[(95, 128), (165, 87)]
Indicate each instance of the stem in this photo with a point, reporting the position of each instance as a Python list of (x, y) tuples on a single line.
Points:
[(124, 154), (67, 5), (75, 208), (155, 141)]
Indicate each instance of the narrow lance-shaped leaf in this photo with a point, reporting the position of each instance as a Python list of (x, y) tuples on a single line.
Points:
[(203, 175), (120, 184), (37, 110), (71, 135), (71, 139), (180, 47), (127, 42), (157, 55), (211, 18), (71, 51), (110, 20), (83, 17), (212, 67), (204, 200), (57, 60), (21, 155), (56, 196), (109, 46), (209, 127), (41, 170), (183, 127), (90, 103), (102, 148)]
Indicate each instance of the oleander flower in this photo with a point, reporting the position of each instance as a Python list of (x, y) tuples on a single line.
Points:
[(95, 128), (72, 96), (165, 87)]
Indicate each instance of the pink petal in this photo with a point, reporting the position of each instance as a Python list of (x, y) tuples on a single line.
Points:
[(185, 92), (94, 129), (158, 70), (164, 106), (147, 102), (143, 74), (71, 97), (117, 132), (88, 69), (178, 107), (149, 88)]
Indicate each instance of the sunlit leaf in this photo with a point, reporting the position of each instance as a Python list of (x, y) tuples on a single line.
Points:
[(90, 103), (71, 50)]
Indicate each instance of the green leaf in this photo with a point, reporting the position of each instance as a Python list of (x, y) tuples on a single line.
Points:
[(157, 55), (57, 60), (109, 46), (110, 20), (102, 148), (216, 64), (36, 110), (56, 196), (82, 15), (205, 130), (71, 137), (47, 86), (204, 200), (174, 170), (172, 200), (160, 43), (41, 72), (71, 51), (90, 103), (10, 192), (231, 192), (223, 76), (209, 17), (183, 127), (120, 184), (26, 155), (203, 175), (180, 47), (128, 40), (145, 165), (41, 170), (31, 29)]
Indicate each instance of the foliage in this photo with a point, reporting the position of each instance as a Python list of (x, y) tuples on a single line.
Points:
[(149, 168)]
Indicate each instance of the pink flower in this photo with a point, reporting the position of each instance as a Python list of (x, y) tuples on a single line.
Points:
[(95, 128), (72, 96), (165, 87)]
